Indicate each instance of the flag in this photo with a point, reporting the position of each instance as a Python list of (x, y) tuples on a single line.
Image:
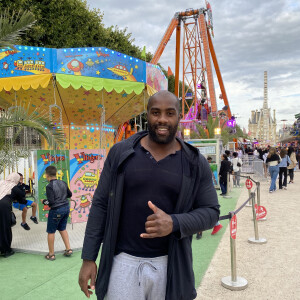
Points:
[(143, 54), (169, 71)]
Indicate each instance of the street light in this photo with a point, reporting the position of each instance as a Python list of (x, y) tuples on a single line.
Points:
[(217, 131), (186, 133)]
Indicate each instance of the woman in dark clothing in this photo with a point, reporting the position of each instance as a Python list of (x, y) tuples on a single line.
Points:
[(224, 169), (8, 192)]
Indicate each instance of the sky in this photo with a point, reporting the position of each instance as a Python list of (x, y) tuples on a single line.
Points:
[(250, 37)]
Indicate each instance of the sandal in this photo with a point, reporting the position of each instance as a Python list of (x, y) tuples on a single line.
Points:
[(68, 252), (50, 257)]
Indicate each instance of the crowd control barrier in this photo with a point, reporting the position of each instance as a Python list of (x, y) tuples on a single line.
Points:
[(234, 282)]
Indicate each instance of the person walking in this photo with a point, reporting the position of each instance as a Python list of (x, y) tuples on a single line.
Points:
[(236, 165), (154, 193), (291, 167), (285, 162), (9, 192), (225, 168), (273, 160)]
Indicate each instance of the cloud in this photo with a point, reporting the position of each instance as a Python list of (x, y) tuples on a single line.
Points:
[(250, 37)]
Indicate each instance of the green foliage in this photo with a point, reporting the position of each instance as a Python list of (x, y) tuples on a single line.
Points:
[(13, 25), (12, 123), (71, 23), (209, 133)]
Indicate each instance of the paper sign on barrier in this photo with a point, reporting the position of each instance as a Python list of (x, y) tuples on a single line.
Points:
[(233, 227), (261, 212), (249, 184)]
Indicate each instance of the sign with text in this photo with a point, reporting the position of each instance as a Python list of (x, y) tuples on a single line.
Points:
[(85, 169), (60, 160), (249, 184), (233, 227), (261, 212)]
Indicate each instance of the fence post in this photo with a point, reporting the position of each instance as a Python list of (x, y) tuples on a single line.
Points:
[(233, 282), (258, 200), (228, 187), (249, 204), (255, 239)]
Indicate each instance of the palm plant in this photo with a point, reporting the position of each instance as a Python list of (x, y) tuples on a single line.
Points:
[(209, 131), (12, 123), (13, 25)]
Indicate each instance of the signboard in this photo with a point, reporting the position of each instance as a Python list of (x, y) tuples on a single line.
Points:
[(85, 170), (261, 212), (45, 158), (233, 227), (249, 184), (207, 150)]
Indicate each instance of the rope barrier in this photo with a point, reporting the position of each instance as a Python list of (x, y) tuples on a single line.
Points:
[(234, 282)]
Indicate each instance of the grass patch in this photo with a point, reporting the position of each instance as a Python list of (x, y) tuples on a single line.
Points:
[(30, 276)]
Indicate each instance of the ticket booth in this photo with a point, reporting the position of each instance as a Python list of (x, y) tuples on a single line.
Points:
[(212, 148)]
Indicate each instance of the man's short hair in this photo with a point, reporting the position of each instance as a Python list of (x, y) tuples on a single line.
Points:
[(209, 158), (21, 175), (163, 93), (51, 171), (227, 152)]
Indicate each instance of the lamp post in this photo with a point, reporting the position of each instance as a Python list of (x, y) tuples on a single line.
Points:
[(186, 133), (217, 132)]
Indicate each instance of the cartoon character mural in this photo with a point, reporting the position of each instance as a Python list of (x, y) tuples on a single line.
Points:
[(45, 158), (85, 170), (123, 72)]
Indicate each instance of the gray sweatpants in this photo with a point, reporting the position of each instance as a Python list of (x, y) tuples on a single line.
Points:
[(136, 278)]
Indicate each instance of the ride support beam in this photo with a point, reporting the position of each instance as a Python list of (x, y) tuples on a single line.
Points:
[(177, 59), (219, 76), (210, 79), (164, 41)]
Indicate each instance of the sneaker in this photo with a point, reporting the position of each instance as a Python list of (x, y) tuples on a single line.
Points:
[(270, 191), (234, 186), (217, 228), (25, 226), (34, 220), (285, 188), (239, 186)]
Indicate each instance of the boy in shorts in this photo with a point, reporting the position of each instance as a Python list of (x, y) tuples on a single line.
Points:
[(24, 204), (57, 193)]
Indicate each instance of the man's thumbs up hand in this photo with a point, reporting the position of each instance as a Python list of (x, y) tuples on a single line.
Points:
[(158, 224)]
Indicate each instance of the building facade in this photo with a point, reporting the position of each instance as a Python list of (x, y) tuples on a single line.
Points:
[(262, 123)]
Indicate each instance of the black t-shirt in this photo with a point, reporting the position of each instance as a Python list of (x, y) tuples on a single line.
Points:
[(147, 180)]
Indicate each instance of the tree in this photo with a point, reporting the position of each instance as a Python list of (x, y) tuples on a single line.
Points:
[(71, 23), (13, 25)]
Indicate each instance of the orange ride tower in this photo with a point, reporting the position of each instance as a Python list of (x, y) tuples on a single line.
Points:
[(197, 53)]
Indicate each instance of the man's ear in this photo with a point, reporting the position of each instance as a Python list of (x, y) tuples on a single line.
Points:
[(180, 116)]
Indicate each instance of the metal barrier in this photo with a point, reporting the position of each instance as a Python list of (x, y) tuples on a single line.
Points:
[(234, 282), (253, 165)]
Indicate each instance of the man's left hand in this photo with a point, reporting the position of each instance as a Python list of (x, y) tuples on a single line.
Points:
[(158, 224)]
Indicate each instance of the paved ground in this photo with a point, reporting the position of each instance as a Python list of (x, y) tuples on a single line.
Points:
[(35, 240), (272, 269)]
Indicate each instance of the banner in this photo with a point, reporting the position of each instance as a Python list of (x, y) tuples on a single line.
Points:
[(46, 158), (85, 170)]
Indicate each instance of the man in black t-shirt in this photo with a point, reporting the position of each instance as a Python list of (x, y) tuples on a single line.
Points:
[(154, 193)]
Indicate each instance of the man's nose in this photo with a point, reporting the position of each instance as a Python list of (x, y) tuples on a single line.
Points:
[(163, 118)]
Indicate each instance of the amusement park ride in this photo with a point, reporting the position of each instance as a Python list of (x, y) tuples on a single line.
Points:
[(197, 74), (194, 28)]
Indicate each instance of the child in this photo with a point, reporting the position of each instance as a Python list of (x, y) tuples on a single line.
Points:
[(57, 193)]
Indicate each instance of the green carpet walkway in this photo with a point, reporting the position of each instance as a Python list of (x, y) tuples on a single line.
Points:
[(30, 276)]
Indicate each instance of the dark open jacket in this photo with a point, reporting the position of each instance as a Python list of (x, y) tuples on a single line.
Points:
[(197, 209)]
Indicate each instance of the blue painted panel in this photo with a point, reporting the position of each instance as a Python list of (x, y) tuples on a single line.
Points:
[(100, 62), (26, 60)]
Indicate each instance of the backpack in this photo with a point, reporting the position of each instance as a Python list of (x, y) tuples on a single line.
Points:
[(239, 164)]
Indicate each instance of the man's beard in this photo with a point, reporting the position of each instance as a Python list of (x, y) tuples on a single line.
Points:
[(162, 139)]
